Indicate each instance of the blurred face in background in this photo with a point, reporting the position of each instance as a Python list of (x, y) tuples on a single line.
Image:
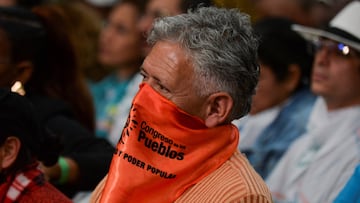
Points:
[(120, 40), (155, 9), (7, 2), (284, 8), (336, 76), (270, 91)]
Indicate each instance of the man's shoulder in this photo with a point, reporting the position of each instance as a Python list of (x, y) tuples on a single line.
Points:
[(249, 181), (234, 181)]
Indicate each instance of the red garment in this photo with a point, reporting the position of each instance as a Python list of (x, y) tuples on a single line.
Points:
[(29, 186)]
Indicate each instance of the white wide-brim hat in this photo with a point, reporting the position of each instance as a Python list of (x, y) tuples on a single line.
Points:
[(344, 27)]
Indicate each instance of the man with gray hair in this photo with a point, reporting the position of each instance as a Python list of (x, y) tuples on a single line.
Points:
[(178, 144), (154, 9)]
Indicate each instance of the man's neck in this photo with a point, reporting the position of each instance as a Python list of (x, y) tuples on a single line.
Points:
[(334, 104)]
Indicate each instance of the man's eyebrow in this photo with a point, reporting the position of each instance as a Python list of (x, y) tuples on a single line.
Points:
[(155, 78)]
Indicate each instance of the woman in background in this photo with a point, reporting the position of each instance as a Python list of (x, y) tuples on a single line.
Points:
[(120, 47)]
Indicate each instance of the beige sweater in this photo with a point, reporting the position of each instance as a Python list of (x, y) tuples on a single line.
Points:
[(234, 181)]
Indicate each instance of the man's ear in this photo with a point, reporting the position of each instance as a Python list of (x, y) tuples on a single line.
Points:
[(218, 109), (10, 151), (24, 71)]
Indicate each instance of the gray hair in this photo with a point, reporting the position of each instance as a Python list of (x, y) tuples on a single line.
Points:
[(223, 49)]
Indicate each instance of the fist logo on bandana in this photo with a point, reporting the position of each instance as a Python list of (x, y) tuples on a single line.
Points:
[(129, 125)]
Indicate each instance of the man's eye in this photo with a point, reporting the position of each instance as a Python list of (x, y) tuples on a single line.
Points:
[(162, 88), (144, 76)]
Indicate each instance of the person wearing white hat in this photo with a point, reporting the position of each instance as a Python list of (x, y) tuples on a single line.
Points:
[(317, 165)]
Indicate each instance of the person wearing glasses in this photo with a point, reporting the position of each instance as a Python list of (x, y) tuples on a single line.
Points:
[(318, 165)]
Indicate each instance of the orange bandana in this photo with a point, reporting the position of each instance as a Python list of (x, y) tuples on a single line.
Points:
[(163, 151)]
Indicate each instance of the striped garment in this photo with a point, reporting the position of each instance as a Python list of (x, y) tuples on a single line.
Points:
[(234, 181), (30, 186)]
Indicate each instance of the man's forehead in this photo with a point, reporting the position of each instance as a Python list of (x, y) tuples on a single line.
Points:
[(170, 52), (165, 7)]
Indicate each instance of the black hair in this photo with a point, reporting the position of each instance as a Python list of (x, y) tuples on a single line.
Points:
[(280, 47), (18, 118), (26, 33), (38, 36), (29, 3)]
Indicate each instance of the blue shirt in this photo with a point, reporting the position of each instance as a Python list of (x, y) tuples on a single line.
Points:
[(107, 94), (275, 139), (351, 191)]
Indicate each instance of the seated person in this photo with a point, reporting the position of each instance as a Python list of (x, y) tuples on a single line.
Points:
[(179, 144), (119, 47), (23, 143), (283, 101), (319, 163), (154, 9), (38, 58)]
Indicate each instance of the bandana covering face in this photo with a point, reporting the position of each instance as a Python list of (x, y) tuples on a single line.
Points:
[(163, 151)]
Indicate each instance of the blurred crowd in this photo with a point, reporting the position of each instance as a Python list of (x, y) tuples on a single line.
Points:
[(70, 69)]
